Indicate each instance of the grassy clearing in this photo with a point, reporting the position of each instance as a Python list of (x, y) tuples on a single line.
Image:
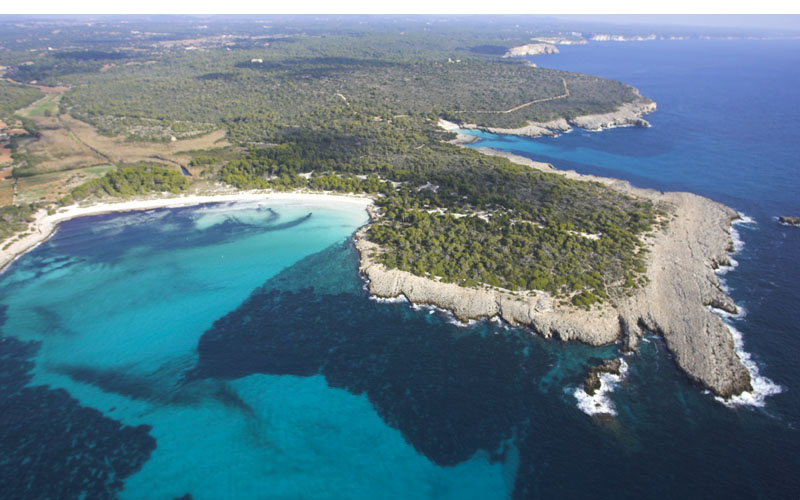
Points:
[(46, 106), (99, 171), (55, 150), (55, 185), (69, 152), (118, 149)]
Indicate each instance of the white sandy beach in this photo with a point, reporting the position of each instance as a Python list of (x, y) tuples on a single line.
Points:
[(45, 224)]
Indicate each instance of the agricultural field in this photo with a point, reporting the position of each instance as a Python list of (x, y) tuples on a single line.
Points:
[(68, 152), (51, 187)]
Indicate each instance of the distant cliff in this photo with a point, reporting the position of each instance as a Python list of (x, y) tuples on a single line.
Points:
[(532, 49), (603, 37)]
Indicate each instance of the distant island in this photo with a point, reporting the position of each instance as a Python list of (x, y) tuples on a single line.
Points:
[(375, 113)]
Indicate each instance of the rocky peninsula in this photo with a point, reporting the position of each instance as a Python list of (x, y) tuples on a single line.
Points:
[(677, 302), (789, 221), (626, 115)]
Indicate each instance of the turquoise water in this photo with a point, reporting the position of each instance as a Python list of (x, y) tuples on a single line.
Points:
[(118, 304), (231, 351)]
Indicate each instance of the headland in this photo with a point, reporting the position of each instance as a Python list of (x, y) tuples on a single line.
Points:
[(626, 115), (677, 302)]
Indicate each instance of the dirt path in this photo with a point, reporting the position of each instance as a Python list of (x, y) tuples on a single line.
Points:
[(521, 106), (80, 141), (343, 98)]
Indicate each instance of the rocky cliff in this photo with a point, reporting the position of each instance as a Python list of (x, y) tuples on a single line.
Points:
[(532, 49), (676, 302), (628, 114)]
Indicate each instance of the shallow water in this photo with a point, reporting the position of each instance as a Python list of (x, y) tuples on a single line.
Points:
[(230, 351)]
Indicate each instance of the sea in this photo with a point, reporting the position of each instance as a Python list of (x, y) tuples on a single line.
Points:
[(231, 350)]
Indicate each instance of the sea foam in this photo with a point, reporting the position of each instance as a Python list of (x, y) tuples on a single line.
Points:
[(451, 318), (738, 246), (762, 386), (388, 300), (743, 220), (600, 402), (726, 315)]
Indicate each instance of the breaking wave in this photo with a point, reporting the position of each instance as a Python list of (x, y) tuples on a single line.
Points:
[(600, 402)]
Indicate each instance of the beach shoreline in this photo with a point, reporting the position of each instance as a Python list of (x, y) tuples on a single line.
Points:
[(681, 265), (44, 224)]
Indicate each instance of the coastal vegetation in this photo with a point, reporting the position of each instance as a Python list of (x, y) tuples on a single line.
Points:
[(472, 219), (518, 256), (356, 111), (130, 181), (14, 218)]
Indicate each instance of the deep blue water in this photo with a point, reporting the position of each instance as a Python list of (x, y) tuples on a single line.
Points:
[(723, 130), (232, 352)]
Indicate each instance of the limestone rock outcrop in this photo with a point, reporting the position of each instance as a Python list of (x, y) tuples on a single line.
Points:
[(532, 49), (626, 115)]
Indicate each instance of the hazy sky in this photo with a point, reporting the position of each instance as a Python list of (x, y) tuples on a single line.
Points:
[(580, 7), (775, 21)]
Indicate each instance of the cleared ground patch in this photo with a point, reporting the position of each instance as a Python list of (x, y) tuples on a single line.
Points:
[(69, 152), (46, 106), (118, 150), (54, 186), (56, 149), (69, 144), (60, 153)]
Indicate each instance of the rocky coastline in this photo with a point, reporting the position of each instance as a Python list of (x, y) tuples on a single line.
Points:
[(626, 115), (789, 221), (532, 49), (592, 383), (677, 303)]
